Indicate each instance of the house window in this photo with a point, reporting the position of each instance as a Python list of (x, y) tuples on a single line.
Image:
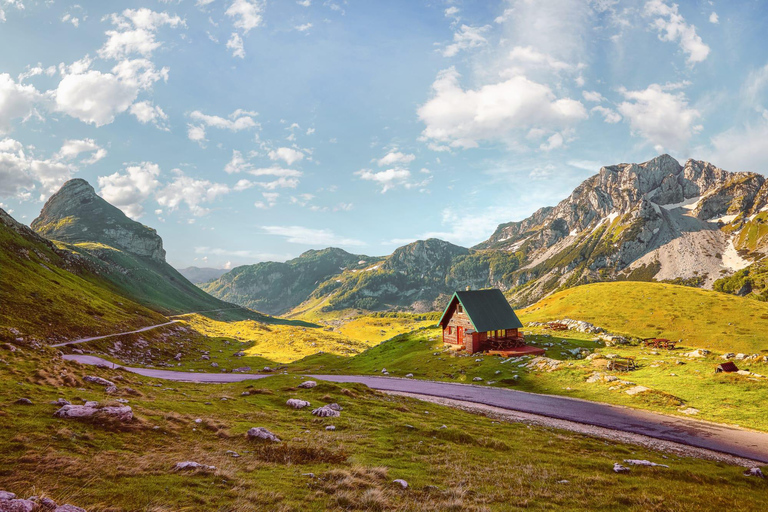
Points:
[(450, 330), (461, 308)]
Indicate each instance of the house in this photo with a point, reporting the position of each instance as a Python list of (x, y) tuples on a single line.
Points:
[(483, 321), (728, 367)]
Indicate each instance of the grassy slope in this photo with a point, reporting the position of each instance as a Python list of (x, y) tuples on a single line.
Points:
[(378, 438), (40, 298), (700, 318)]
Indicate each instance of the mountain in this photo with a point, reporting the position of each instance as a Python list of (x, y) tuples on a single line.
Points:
[(124, 252), (53, 295), (198, 275), (691, 223), (659, 220), (275, 288)]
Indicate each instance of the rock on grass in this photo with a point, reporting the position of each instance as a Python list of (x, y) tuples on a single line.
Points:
[(297, 404), (263, 434), (308, 384), (123, 413), (189, 465)]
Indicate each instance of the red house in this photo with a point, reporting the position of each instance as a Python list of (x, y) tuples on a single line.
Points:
[(483, 321)]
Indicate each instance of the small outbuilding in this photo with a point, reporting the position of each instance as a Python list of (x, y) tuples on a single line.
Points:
[(483, 321), (728, 367)]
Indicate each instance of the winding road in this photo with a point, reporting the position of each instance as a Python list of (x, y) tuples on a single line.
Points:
[(721, 438), (92, 338)]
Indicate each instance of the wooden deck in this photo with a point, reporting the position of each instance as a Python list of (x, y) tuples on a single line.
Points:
[(525, 350)]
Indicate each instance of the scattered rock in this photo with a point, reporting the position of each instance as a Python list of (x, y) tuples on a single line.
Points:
[(729, 355), (296, 403), (51, 505), (267, 369), (563, 481), (700, 352), (263, 434), (402, 483), (233, 454), (215, 365), (326, 411), (408, 375), (17, 506), (754, 472), (384, 370), (205, 357), (123, 413), (308, 384), (690, 411), (618, 468), (5, 496), (23, 401), (477, 379), (177, 357), (69, 508), (638, 462), (634, 390), (310, 475), (98, 380), (191, 465), (330, 427), (61, 402)]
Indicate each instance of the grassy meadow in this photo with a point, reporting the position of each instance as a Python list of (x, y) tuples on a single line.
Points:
[(445, 455)]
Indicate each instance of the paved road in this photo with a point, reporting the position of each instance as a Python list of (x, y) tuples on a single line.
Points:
[(83, 340), (721, 438)]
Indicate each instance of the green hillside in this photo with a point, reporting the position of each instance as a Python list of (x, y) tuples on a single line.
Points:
[(749, 282), (50, 295), (700, 318)]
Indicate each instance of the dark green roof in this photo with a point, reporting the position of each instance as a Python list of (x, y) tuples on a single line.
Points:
[(488, 310)]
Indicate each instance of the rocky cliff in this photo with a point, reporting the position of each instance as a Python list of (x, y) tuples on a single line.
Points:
[(76, 214)]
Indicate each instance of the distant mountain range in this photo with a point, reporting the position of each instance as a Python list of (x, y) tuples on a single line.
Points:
[(659, 220), (198, 275)]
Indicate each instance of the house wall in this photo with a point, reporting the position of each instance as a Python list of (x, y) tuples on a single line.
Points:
[(457, 319)]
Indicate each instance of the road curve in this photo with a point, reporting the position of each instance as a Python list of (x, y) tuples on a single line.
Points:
[(92, 338), (722, 438)]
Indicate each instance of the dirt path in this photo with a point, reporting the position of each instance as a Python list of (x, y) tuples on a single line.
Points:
[(143, 329), (726, 439)]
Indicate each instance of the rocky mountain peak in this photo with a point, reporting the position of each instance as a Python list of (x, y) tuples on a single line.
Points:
[(76, 214)]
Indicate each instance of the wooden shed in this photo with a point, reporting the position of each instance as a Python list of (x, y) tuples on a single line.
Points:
[(483, 321)]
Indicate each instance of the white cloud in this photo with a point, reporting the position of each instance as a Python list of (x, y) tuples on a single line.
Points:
[(270, 199), (17, 101), (395, 157), (304, 27), (530, 57), (310, 236), (672, 27), (464, 118), (593, 96), (236, 122), (68, 18), (247, 14), (243, 185), (663, 118), (130, 189), (145, 113), (281, 182), (196, 133), (393, 178), (275, 171), (610, 116), (235, 43), (553, 142), (96, 98), (71, 149), (15, 175), (304, 3), (740, 149), (714, 18), (466, 38), (190, 191), (136, 30), (237, 163), (288, 155)]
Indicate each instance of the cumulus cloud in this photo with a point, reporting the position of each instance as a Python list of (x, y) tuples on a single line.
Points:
[(395, 157), (71, 149), (465, 38), (238, 120), (464, 118), (15, 175), (288, 155), (528, 57), (660, 115), (555, 141), (740, 148), (309, 236), (714, 18), (270, 199), (96, 98), (128, 190), (610, 116), (145, 112), (190, 191), (136, 32), (246, 13), (17, 101), (235, 43), (672, 27), (593, 96), (390, 179)]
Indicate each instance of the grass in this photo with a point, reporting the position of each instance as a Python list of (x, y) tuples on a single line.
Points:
[(699, 318), (444, 454)]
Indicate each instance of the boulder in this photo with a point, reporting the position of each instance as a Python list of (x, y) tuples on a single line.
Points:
[(177, 357), (330, 428), (408, 375), (618, 468), (23, 401), (477, 379), (297, 404), (400, 483), (69, 508), (326, 412), (5, 496), (634, 390), (638, 462), (263, 434), (61, 402), (122, 413), (48, 503), (308, 384), (191, 465), (729, 355), (700, 352), (690, 411), (98, 380), (17, 506), (754, 472)]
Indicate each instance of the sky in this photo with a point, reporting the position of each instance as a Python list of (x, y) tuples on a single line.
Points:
[(254, 130)]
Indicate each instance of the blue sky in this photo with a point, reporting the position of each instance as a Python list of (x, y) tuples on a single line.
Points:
[(247, 130)]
